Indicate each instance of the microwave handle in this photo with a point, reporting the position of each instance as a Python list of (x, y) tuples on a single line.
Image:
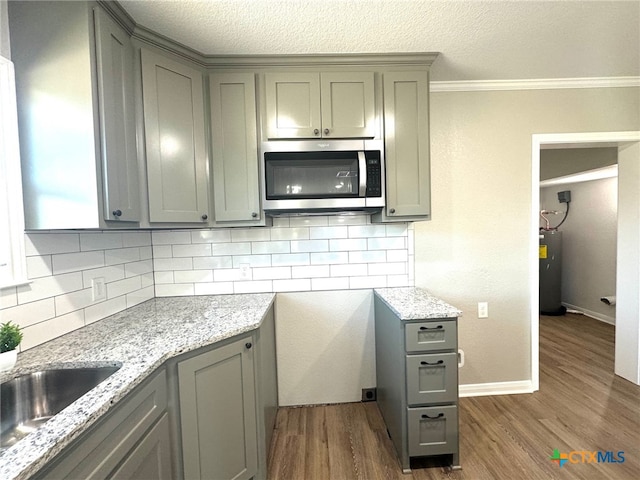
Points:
[(362, 163)]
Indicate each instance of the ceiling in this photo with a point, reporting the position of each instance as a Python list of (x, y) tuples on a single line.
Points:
[(478, 40)]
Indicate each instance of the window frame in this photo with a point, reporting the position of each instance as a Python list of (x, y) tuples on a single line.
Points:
[(13, 265)]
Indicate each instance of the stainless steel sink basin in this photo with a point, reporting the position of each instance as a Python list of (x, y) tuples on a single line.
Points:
[(27, 401)]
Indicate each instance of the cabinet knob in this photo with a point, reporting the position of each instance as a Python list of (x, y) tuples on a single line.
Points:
[(204, 216), (316, 131), (248, 345), (254, 215), (392, 211), (117, 213), (326, 131)]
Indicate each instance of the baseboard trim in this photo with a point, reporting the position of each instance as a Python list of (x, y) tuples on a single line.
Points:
[(592, 314), (496, 388)]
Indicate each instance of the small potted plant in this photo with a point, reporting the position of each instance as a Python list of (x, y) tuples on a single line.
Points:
[(10, 338)]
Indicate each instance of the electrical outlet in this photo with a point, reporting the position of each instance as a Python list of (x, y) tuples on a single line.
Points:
[(483, 310), (98, 289), (245, 271)]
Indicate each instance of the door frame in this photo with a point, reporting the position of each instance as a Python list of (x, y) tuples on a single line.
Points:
[(570, 140)]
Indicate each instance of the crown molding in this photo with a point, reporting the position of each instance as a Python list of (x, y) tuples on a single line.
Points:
[(534, 84)]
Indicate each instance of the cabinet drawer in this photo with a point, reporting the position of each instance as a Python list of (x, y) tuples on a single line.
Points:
[(430, 336), (432, 378), (432, 430)]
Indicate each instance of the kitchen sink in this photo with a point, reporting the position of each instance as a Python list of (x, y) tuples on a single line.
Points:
[(28, 401)]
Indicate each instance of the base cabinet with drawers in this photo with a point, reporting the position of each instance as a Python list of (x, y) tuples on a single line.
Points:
[(417, 384)]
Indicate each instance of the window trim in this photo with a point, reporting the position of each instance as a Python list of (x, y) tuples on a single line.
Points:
[(11, 180)]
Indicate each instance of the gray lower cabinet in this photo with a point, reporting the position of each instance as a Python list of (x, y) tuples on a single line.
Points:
[(417, 384), (218, 413), (132, 442)]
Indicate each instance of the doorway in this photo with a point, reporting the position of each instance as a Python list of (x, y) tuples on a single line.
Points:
[(627, 344)]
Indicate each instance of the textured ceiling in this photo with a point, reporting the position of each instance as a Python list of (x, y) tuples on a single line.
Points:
[(478, 40)]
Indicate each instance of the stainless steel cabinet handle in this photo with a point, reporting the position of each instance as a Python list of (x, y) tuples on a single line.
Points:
[(117, 213), (204, 216)]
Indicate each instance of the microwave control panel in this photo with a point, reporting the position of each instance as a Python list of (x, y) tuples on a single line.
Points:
[(374, 174)]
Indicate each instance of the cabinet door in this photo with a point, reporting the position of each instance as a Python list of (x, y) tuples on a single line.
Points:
[(114, 53), (348, 105), (218, 413), (406, 133), (236, 185), (177, 170), (293, 105), (151, 458)]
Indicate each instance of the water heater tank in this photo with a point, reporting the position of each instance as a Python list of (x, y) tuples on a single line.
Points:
[(551, 273)]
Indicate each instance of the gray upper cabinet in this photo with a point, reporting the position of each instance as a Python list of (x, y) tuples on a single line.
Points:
[(234, 148), (315, 105), (406, 135), (177, 162), (114, 53), (76, 132), (218, 413)]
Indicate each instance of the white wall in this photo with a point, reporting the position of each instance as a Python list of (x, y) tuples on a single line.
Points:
[(476, 248), (589, 237)]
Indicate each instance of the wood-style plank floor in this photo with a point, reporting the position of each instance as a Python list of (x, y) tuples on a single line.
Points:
[(581, 406)]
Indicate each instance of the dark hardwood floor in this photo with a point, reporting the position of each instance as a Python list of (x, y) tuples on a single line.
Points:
[(581, 406)]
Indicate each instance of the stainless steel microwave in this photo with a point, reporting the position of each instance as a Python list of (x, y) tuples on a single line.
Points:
[(322, 177)]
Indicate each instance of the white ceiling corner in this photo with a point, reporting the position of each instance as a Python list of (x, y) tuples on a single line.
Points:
[(478, 40)]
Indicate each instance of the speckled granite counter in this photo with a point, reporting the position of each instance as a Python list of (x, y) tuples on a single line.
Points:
[(140, 340), (412, 303)]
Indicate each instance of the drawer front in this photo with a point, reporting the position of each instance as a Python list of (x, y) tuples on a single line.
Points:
[(432, 430), (432, 378), (431, 336)]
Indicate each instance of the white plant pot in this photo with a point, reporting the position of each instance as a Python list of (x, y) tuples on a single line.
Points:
[(8, 360)]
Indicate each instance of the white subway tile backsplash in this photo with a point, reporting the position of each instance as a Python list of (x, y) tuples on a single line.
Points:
[(271, 273), (354, 269), (243, 248), (396, 255), (193, 250), (175, 290), (250, 235), (252, 260), (328, 232), (104, 309), (329, 258), (320, 221), (298, 233), (139, 296), (163, 277), (388, 268), (30, 313), (217, 288), (396, 230), (162, 251), (146, 253), (146, 280), (170, 237), (121, 255), (311, 271), (73, 262), (46, 287), (110, 274), (49, 329), (330, 283), (212, 262), (100, 241), (398, 281), (368, 256), (348, 244), (309, 246), (122, 287), (279, 246), (226, 275), (160, 264), (294, 285), (211, 236), (48, 243), (39, 266), (281, 222), (253, 287), (349, 220), (368, 282), (367, 231), (193, 276), (387, 243), (8, 297), (73, 301), (136, 239), (138, 268), (290, 259)]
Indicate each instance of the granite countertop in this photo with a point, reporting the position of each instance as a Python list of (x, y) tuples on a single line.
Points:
[(139, 340), (413, 303)]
